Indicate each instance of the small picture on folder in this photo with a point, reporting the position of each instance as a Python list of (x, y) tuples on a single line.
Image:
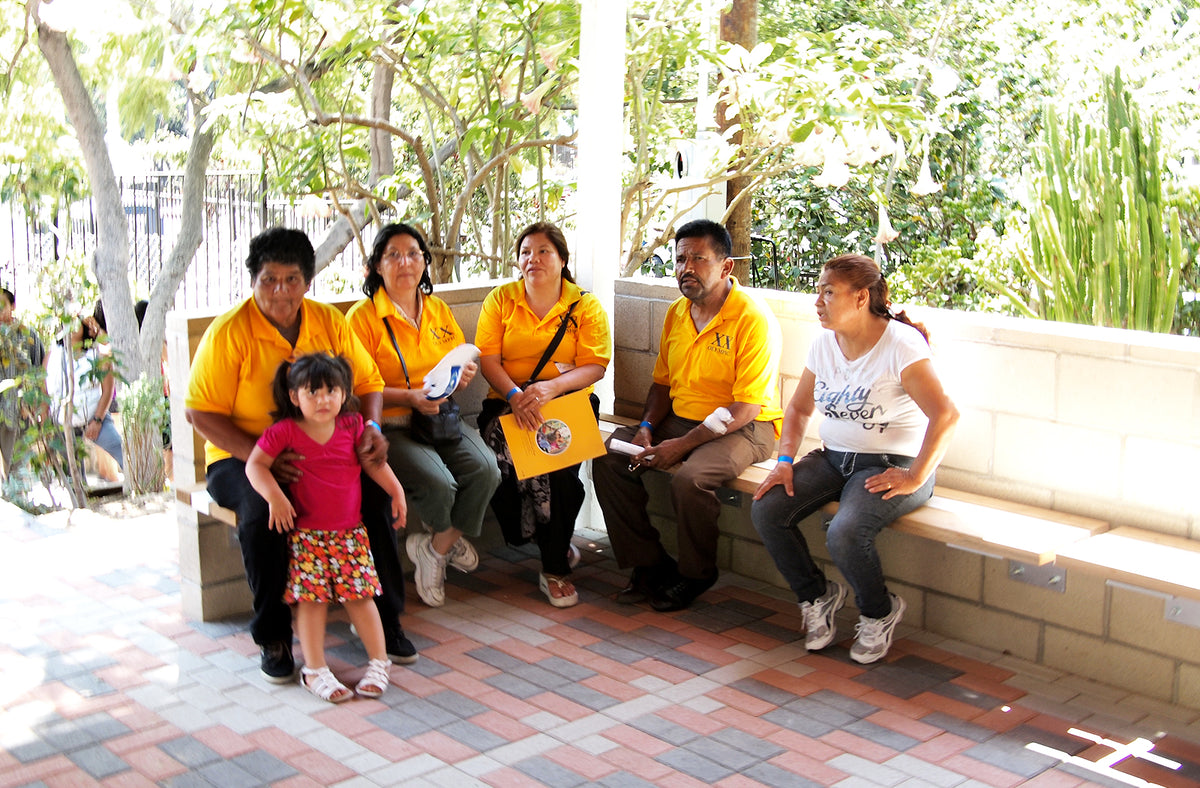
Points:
[(567, 436)]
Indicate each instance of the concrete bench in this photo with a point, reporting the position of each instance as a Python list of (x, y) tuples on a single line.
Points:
[(195, 496), (1136, 557), (1044, 544), (966, 521), (961, 520)]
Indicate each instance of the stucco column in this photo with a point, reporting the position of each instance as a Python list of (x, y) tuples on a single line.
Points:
[(599, 165)]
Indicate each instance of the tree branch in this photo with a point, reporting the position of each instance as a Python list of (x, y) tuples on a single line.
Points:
[(111, 257), (495, 161), (191, 233)]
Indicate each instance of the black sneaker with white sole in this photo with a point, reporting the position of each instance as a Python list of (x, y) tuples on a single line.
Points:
[(278, 666), (400, 649)]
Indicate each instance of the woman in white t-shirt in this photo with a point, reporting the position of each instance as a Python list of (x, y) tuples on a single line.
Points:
[(887, 424)]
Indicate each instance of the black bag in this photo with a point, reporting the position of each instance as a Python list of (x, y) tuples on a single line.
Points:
[(443, 428)]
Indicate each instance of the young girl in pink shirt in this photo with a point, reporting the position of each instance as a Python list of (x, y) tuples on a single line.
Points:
[(330, 555)]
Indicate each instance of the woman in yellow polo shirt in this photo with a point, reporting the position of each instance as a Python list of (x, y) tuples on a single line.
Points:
[(516, 326), (450, 483)]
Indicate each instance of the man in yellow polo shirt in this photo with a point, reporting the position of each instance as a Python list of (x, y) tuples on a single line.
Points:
[(712, 410)]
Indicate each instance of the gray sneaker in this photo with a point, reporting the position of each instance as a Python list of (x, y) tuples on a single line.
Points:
[(430, 574), (462, 556), (819, 623), (875, 634)]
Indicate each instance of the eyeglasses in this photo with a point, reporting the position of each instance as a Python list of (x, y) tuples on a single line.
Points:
[(393, 256)]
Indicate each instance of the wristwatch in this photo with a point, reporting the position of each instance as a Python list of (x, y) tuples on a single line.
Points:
[(98, 419)]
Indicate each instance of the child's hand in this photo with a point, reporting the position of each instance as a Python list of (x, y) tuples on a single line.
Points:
[(283, 516), (399, 507)]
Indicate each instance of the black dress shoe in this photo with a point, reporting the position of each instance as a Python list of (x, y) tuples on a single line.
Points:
[(645, 581), (681, 594), (639, 588), (278, 666)]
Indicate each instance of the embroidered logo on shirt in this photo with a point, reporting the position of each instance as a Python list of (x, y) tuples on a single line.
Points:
[(722, 343), (441, 333)]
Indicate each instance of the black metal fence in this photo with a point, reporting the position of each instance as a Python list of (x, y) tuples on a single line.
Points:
[(236, 207)]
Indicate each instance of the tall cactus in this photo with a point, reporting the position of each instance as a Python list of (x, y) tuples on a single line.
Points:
[(1105, 248)]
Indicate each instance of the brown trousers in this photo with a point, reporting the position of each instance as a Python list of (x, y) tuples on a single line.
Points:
[(622, 495)]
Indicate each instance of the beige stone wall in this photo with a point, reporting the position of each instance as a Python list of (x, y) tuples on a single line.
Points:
[(1098, 422)]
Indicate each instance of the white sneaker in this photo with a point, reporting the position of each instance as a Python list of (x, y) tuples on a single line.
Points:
[(462, 556), (820, 625), (875, 634), (430, 574)]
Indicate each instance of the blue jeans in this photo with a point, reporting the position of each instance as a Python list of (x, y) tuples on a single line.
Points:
[(110, 440), (819, 477)]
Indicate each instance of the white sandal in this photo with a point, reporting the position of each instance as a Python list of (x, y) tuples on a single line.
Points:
[(375, 681), (561, 584), (324, 684)]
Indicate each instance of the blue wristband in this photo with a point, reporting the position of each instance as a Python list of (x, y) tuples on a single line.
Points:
[(373, 423), (508, 397), (785, 458), (647, 425)]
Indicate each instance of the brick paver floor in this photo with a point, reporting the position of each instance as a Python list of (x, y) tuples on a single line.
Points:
[(103, 682)]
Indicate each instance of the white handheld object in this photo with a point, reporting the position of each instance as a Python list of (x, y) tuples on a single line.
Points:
[(443, 379), (624, 447)]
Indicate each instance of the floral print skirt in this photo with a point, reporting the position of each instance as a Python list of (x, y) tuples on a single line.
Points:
[(330, 566)]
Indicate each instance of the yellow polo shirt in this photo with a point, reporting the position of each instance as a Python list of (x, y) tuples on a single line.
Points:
[(235, 364), (422, 349), (510, 329), (734, 359)]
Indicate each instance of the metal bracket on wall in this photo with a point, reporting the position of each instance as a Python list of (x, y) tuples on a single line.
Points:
[(1184, 611), (729, 497), (1051, 577)]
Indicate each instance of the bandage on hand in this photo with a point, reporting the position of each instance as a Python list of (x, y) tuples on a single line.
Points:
[(717, 420)]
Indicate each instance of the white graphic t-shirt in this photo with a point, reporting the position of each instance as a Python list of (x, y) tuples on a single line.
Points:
[(865, 407)]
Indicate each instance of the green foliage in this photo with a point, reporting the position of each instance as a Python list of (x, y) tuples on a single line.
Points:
[(64, 292), (812, 106), (1187, 314), (961, 85), (1009, 60), (1106, 250), (42, 447), (934, 59), (144, 415), (946, 277), (479, 92)]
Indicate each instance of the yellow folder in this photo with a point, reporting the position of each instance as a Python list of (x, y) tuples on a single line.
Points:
[(568, 435)]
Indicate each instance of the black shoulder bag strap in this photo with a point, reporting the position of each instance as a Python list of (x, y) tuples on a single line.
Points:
[(403, 366), (554, 343)]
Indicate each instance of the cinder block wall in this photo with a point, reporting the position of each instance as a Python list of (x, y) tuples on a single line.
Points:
[(1098, 422)]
